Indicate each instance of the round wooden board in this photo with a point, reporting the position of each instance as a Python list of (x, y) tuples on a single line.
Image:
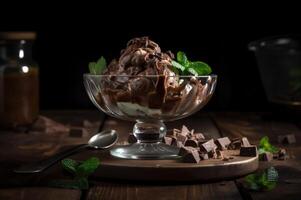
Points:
[(175, 170)]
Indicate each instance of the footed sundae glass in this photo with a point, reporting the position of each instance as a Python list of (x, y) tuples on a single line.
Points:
[(150, 101)]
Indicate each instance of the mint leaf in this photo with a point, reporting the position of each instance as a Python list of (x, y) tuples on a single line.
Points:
[(199, 68), (182, 58), (87, 167), (98, 67), (69, 165), (266, 146), (178, 66), (92, 67)]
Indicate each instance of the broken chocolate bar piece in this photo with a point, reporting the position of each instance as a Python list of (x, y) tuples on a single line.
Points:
[(282, 155), (235, 144), (191, 143), (174, 141), (185, 131), (181, 138), (287, 139), (185, 150), (132, 139), (223, 143), (199, 136), (266, 156), (179, 144), (192, 157), (167, 140), (250, 151), (208, 146), (245, 142)]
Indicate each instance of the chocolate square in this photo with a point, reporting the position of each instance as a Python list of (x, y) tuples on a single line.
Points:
[(167, 140), (250, 151), (181, 138), (223, 143), (208, 146), (191, 157), (185, 150), (185, 131)]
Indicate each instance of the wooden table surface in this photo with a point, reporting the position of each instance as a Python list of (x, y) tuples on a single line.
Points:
[(25, 147)]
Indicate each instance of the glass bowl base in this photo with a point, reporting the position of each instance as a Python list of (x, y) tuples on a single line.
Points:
[(157, 150)]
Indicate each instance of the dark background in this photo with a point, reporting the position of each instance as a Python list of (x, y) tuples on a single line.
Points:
[(68, 39)]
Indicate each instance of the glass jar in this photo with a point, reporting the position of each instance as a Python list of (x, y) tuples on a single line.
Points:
[(19, 80)]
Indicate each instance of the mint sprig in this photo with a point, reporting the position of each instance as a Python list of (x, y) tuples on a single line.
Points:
[(266, 146), (80, 172), (98, 67), (262, 181), (186, 67)]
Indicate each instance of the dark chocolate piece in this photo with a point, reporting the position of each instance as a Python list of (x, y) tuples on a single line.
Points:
[(167, 140), (132, 139), (185, 131), (185, 150), (208, 146), (192, 157), (191, 143), (250, 151), (282, 155), (223, 143), (266, 156), (199, 136), (287, 139), (181, 138), (245, 142)]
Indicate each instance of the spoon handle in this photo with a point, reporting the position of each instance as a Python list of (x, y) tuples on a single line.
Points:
[(44, 164)]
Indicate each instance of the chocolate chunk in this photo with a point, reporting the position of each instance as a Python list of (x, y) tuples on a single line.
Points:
[(185, 131), (174, 141), (203, 156), (208, 146), (266, 156), (185, 150), (191, 143), (287, 139), (181, 138), (223, 143), (245, 142), (282, 155), (179, 144), (167, 140), (132, 139), (199, 136), (192, 157), (250, 151)]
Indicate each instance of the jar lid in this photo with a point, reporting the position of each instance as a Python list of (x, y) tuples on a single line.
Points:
[(18, 35)]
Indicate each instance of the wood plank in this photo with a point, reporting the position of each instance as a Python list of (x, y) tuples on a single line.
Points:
[(37, 193), (254, 127), (224, 190), (31, 147), (105, 190)]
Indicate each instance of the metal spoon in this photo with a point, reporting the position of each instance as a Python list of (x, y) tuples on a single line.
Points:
[(102, 140)]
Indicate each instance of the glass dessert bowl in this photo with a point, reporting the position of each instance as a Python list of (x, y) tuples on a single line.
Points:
[(150, 100)]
